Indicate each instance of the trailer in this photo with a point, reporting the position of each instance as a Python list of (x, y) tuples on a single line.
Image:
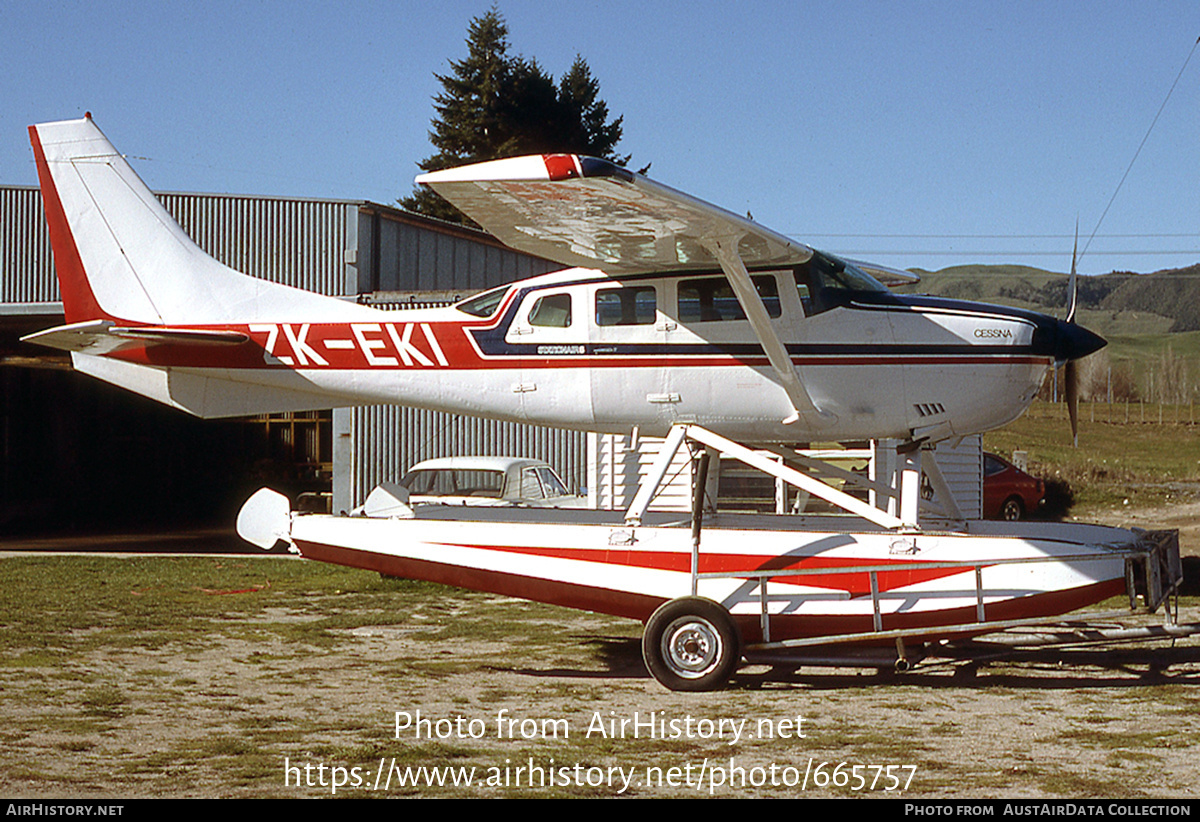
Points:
[(868, 585)]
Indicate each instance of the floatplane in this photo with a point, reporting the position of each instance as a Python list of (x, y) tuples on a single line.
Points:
[(674, 319)]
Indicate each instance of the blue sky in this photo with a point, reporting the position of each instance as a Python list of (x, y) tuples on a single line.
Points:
[(915, 134)]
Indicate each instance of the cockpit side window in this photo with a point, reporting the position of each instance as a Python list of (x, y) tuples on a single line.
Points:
[(552, 311)]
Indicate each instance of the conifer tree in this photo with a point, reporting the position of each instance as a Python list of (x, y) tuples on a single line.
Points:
[(494, 104)]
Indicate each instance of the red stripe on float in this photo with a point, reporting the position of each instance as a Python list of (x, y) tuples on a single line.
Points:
[(640, 606), (853, 582)]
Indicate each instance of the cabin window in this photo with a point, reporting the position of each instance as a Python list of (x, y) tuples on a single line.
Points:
[(485, 304), (635, 305), (805, 295), (552, 311), (711, 299)]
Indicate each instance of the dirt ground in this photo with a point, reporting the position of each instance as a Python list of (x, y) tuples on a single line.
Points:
[(1183, 516), (432, 684)]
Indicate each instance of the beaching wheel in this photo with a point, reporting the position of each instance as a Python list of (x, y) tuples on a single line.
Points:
[(691, 644)]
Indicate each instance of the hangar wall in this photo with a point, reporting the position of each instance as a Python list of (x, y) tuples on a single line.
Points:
[(401, 252), (27, 273), (382, 441), (306, 243)]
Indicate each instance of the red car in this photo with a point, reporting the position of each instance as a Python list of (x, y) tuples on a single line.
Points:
[(1008, 492)]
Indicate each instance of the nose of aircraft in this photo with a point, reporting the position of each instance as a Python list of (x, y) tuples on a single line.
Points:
[(1067, 341)]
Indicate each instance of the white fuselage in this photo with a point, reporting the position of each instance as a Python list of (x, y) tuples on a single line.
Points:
[(879, 365)]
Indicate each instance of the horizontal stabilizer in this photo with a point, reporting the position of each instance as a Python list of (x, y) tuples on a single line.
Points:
[(209, 393), (105, 337)]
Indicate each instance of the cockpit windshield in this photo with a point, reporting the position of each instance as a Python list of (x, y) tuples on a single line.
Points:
[(826, 282), (832, 272), (485, 304)]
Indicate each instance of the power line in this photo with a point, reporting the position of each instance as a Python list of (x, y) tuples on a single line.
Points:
[(991, 236), (1139, 148), (1009, 253)]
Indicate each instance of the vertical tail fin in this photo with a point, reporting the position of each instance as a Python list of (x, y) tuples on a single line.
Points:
[(79, 303), (131, 278), (120, 256)]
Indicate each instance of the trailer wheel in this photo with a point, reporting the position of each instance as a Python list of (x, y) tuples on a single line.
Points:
[(691, 644)]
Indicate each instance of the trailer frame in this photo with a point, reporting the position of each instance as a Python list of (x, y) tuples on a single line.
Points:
[(1153, 568)]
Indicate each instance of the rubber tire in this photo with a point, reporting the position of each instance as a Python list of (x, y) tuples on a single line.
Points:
[(1012, 510), (691, 644)]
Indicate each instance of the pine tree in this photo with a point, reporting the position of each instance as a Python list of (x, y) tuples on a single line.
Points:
[(494, 104), (587, 116)]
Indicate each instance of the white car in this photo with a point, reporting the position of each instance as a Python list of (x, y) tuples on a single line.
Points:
[(488, 481)]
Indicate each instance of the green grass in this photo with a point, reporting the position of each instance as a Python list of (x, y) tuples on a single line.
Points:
[(1116, 460), (1147, 349), (53, 609)]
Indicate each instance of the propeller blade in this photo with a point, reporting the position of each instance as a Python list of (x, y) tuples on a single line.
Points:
[(1072, 369), (1072, 396), (1072, 284)]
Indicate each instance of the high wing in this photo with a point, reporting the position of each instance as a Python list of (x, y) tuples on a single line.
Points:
[(588, 212), (582, 211)]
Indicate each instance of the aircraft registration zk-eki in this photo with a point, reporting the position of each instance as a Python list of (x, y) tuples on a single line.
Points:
[(678, 319)]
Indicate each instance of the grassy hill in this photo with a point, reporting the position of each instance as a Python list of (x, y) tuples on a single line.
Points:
[(1116, 304)]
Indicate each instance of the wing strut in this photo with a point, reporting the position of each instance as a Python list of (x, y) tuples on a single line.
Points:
[(725, 250)]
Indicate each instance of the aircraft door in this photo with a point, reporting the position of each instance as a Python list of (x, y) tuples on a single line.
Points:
[(628, 337), (549, 335), (723, 377)]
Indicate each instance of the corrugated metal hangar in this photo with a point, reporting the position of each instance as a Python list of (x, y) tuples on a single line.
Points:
[(79, 454)]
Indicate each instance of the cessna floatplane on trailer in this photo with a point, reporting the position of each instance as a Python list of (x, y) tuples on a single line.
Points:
[(680, 320)]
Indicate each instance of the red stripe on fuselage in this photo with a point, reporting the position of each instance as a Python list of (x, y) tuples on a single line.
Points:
[(400, 345)]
